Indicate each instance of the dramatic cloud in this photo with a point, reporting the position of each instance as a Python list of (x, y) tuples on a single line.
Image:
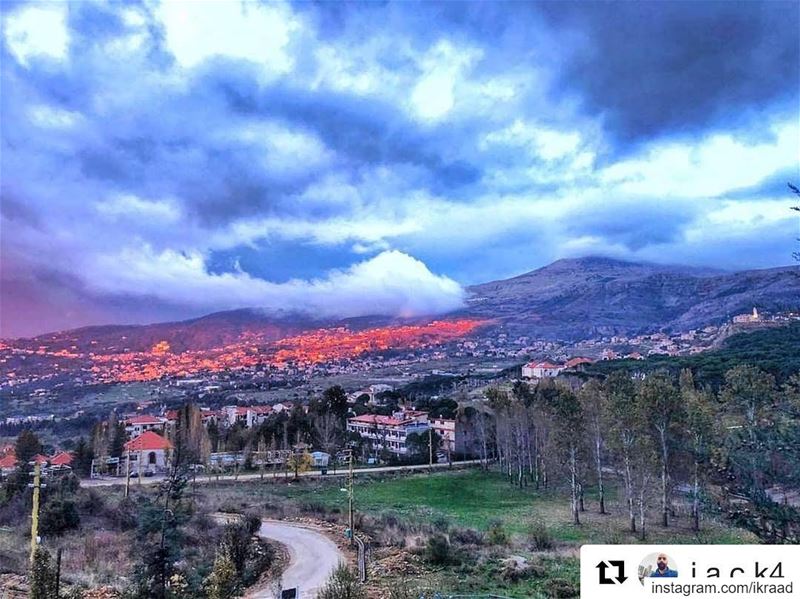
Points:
[(164, 159)]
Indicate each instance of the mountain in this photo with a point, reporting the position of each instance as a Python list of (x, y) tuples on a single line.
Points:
[(584, 297), (568, 299)]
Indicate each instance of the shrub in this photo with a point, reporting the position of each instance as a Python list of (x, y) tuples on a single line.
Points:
[(497, 533), (441, 523), (539, 537), (560, 588), (59, 516), (342, 584), (467, 536), (437, 550)]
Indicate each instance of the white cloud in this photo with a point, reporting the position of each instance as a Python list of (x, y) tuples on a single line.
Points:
[(282, 150), (544, 142), (52, 118), (715, 165), (391, 283), (443, 66), (131, 206), (196, 31), (37, 30)]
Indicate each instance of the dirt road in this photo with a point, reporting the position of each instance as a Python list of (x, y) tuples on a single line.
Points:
[(312, 557)]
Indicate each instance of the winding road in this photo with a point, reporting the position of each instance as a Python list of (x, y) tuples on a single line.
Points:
[(312, 557)]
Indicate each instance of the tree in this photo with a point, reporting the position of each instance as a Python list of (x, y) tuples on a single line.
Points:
[(27, 446), (749, 398), (699, 427), (568, 435), (419, 444), (82, 461), (335, 399), (342, 584), (663, 410), (625, 426), (592, 397), (299, 461), (222, 582), (118, 438), (42, 576), (159, 535)]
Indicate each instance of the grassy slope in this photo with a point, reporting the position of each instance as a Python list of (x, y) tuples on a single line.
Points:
[(475, 499)]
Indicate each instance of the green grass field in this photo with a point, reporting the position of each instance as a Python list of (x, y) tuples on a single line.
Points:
[(474, 499)]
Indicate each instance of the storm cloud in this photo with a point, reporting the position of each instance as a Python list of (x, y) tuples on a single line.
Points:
[(166, 159)]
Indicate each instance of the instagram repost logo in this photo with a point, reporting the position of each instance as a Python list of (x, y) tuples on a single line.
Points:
[(612, 572)]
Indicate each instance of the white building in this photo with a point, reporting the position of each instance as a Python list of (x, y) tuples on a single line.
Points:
[(389, 432), (541, 370)]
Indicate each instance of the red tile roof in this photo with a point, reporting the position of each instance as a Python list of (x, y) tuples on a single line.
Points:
[(378, 419), (576, 361), (148, 441), (61, 459), (8, 462)]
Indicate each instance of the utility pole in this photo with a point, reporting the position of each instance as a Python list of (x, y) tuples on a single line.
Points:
[(37, 485), (58, 571), (127, 473), (430, 449), (350, 500)]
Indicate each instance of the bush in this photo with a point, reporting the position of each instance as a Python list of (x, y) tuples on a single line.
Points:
[(59, 516), (560, 588), (539, 537), (497, 534), (342, 584), (438, 551), (467, 536), (252, 522)]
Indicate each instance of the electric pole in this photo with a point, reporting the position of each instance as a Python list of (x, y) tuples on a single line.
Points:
[(37, 485), (350, 500), (127, 473), (430, 449)]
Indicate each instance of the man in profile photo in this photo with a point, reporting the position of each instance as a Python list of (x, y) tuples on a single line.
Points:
[(662, 568)]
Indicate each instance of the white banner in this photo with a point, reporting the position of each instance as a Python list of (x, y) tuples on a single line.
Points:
[(697, 571)]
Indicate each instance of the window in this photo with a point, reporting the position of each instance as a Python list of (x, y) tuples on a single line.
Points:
[(151, 457)]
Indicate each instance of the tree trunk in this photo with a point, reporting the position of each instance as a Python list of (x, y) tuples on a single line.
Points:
[(665, 503), (696, 499), (629, 490), (599, 461), (573, 464)]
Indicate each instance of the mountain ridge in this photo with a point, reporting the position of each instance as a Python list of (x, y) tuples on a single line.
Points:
[(569, 299)]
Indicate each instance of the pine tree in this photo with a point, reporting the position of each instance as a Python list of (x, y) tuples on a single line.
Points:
[(42, 576), (221, 583), (27, 446)]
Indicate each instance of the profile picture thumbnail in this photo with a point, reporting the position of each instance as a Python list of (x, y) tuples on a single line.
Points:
[(657, 565)]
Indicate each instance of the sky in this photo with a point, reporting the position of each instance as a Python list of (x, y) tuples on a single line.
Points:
[(164, 160)]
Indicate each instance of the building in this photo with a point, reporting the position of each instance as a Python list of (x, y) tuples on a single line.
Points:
[(8, 464), (541, 370), (389, 432), (149, 452), (458, 435), (136, 425), (247, 415), (578, 363), (747, 318), (61, 459)]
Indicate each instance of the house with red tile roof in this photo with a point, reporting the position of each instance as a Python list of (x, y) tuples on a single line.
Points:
[(389, 432), (149, 452), (541, 370), (62, 459), (8, 464), (136, 425)]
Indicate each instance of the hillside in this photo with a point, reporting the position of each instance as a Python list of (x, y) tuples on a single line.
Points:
[(588, 297), (775, 350)]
